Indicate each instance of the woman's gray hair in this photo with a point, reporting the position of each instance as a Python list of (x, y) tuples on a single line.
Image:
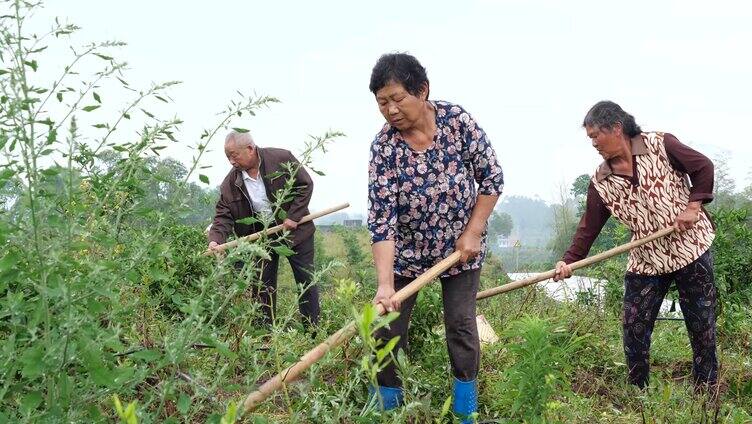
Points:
[(605, 114), (241, 139)]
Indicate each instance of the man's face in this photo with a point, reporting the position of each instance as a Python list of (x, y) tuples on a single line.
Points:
[(241, 157), (607, 142)]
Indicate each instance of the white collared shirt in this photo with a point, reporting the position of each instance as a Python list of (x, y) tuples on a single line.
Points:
[(257, 193)]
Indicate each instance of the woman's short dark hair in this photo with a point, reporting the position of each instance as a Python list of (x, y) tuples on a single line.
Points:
[(401, 68), (605, 114)]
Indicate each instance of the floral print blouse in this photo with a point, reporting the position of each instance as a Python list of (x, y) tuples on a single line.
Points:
[(423, 199)]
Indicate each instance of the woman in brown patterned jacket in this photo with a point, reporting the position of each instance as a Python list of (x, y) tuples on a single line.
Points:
[(643, 183)]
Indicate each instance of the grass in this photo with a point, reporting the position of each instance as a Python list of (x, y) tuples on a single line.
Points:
[(564, 360)]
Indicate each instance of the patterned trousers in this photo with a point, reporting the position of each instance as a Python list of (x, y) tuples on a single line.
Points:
[(697, 297)]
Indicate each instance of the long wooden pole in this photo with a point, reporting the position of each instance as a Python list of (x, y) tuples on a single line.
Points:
[(254, 399), (345, 333), (273, 230), (574, 265)]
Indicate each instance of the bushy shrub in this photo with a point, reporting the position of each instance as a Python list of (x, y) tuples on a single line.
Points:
[(542, 363)]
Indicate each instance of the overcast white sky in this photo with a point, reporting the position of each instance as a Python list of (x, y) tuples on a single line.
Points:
[(527, 70)]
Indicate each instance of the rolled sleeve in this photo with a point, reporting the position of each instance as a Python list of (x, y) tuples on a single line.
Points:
[(697, 166), (382, 193), (303, 186), (592, 221), (486, 169), (223, 224)]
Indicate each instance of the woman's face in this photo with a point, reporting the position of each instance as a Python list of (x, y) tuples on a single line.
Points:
[(400, 108), (608, 142)]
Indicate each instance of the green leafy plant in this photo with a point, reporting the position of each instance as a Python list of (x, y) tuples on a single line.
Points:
[(541, 355)]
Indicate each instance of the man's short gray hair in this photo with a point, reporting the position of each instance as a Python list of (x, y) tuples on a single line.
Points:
[(241, 139)]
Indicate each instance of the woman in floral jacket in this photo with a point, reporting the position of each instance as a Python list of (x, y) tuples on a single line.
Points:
[(423, 205)]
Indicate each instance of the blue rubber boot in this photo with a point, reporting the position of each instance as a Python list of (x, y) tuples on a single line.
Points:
[(391, 397), (465, 399)]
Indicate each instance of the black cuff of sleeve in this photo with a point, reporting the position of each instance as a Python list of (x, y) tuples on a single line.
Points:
[(703, 197)]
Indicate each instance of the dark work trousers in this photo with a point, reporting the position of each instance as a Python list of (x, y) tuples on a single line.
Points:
[(458, 294), (302, 268), (697, 297)]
